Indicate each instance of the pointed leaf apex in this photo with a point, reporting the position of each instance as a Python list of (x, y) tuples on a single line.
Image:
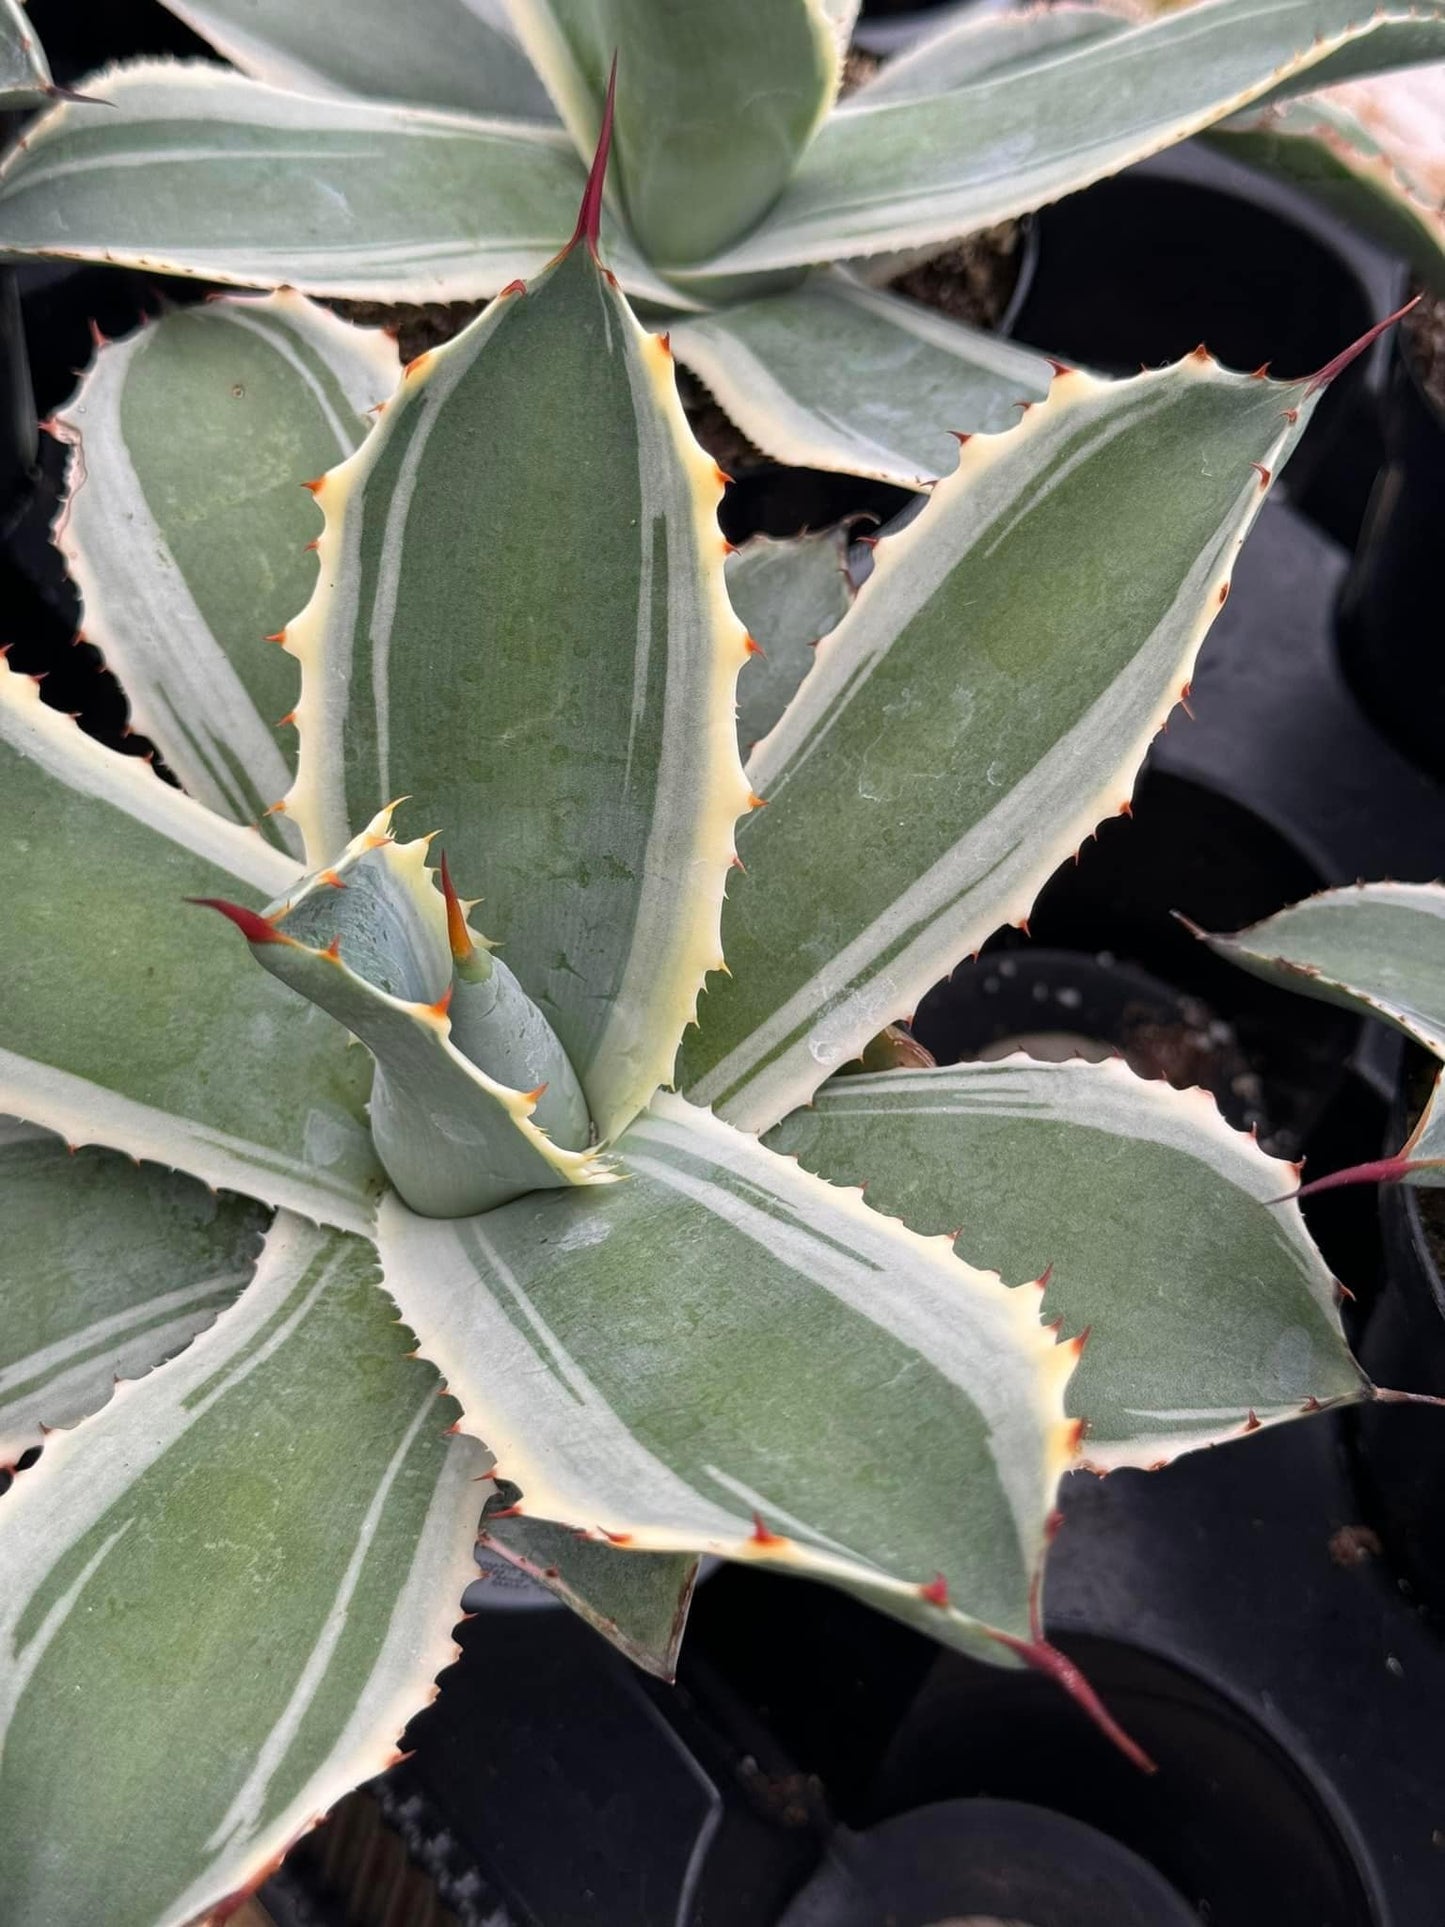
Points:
[(458, 935), (254, 928), (589, 215), (442, 1005), (1346, 355)]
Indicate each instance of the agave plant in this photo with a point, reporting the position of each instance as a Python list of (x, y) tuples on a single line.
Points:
[(634, 1329), (1378, 948), (416, 155)]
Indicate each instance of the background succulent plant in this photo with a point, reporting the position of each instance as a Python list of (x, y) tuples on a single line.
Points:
[(228, 1587), (358, 154)]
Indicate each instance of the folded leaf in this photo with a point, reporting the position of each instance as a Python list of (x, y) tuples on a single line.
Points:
[(521, 623), (1323, 146), (131, 1021), (987, 700), (106, 1268), (789, 595), (366, 942), (836, 375), (186, 527), (188, 169), (1377, 948), (637, 1600), (433, 53), (914, 170), (224, 1596), (720, 1405), (716, 104), (24, 73), (1209, 1309)]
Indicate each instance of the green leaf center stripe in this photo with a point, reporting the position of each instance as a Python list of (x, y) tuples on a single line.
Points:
[(959, 1321), (577, 691), (202, 1485), (668, 1407), (139, 606), (136, 1021), (197, 170), (984, 703), (1222, 1306)]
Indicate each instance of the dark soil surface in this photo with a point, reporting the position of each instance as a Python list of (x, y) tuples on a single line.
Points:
[(1424, 330)]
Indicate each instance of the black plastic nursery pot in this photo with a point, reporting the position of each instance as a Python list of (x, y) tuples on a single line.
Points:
[(1392, 632), (1398, 1330), (1193, 247)]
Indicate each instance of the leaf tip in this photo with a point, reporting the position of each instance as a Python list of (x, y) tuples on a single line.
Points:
[(1342, 360), (589, 215), (252, 926)]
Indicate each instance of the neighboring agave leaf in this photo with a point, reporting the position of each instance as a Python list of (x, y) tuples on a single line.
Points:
[(636, 1600), (224, 1596), (521, 623), (186, 528), (915, 170), (986, 702), (1377, 948), (131, 1021), (789, 595), (188, 169), (1322, 146), (717, 103), (817, 1387), (24, 72), (836, 375), (1210, 1310), (434, 53), (988, 45), (106, 1268), (367, 942)]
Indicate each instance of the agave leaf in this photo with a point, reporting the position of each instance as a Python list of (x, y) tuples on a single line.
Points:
[(106, 1269), (789, 595), (671, 1407), (987, 700), (189, 548), (1320, 144), (24, 72), (521, 623), (133, 1022), (459, 54), (636, 1600), (188, 169), (1377, 948), (836, 375), (716, 105), (367, 942), (911, 171), (224, 1596), (1210, 1309), (979, 45)]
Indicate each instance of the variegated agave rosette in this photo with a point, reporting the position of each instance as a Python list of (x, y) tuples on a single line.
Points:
[(631, 1326), (436, 152)]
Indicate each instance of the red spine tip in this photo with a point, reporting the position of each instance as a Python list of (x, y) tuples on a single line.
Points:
[(760, 1536), (443, 1003), (458, 936), (1346, 355), (753, 647), (316, 484), (1058, 1667), (512, 287), (254, 928), (1262, 472), (1251, 1424), (936, 1591), (589, 215)]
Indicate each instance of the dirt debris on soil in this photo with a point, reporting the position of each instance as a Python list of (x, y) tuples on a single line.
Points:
[(971, 280), (414, 329), (1424, 330)]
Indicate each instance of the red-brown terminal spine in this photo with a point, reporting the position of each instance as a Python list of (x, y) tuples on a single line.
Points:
[(589, 215)]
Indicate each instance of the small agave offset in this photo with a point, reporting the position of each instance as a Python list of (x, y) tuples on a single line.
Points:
[(436, 151), (631, 1327)]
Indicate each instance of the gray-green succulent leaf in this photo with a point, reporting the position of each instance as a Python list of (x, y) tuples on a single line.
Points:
[(611, 1314), (345, 155)]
